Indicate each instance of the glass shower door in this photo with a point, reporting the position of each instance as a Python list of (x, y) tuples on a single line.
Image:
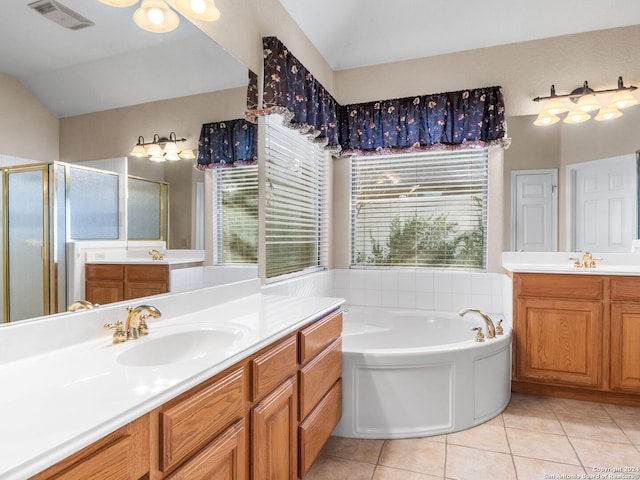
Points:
[(27, 249)]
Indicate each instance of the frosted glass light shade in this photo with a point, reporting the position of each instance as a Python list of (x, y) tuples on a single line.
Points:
[(555, 106), (119, 3), (588, 103), (157, 158), (608, 113), (139, 151), (623, 99), (154, 150), (204, 10), (172, 156), (577, 115), (545, 118), (171, 147), (187, 154), (155, 16)]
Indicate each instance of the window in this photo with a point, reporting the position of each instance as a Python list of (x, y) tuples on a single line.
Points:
[(295, 201), (420, 209), (237, 229)]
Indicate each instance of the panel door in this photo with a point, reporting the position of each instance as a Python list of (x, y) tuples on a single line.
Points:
[(535, 210), (625, 354)]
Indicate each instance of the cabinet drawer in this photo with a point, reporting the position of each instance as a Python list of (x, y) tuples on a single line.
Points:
[(145, 273), (271, 368), (317, 427), (625, 289), (559, 286), (222, 459), (317, 377), (99, 272), (193, 421), (314, 338), (121, 455)]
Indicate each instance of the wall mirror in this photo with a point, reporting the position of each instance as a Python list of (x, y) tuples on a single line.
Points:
[(113, 65)]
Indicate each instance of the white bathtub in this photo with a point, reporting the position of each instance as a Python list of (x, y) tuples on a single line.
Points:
[(411, 373)]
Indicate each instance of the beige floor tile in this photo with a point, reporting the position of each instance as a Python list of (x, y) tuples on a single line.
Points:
[(529, 402), (594, 427), (386, 473), (576, 407), (360, 450), (497, 420), (485, 437), (534, 469), (464, 463), (333, 468), (542, 446), (421, 455), (596, 453), (622, 412), (534, 420), (631, 428)]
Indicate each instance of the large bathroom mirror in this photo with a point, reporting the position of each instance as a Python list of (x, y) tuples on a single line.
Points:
[(106, 84)]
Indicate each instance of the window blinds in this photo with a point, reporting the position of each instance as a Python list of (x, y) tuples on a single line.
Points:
[(420, 209), (295, 201), (237, 216)]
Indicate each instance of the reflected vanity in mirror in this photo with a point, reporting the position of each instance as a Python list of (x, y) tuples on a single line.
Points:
[(88, 94)]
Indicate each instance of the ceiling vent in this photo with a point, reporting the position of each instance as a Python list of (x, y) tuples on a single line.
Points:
[(58, 13)]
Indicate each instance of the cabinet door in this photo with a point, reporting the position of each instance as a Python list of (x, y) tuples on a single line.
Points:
[(143, 289), (222, 459), (273, 439), (103, 292), (558, 341), (625, 354)]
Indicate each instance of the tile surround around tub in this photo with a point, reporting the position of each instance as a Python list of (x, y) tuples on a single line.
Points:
[(421, 289)]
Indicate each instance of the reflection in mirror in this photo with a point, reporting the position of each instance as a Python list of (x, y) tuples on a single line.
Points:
[(147, 211), (86, 95)]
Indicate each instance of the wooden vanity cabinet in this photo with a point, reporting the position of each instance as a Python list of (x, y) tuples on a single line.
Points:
[(121, 455), (241, 424), (574, 336)]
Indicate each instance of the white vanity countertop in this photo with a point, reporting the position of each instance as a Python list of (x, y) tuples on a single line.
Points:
[(146, 261), (55, 403), (559, 262)]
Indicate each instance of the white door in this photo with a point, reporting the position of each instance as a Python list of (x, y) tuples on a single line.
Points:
[(534, 210), (605, 204)]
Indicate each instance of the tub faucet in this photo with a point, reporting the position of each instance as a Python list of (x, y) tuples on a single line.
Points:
[(141, 312), (491, 329)]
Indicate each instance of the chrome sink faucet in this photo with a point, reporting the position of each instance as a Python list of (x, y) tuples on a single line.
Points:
[(492, 330), (141, 313)]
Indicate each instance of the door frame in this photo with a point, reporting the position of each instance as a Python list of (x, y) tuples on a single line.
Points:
[(554, 207)]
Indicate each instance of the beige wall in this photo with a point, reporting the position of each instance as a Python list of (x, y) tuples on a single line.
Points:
[(27, 128)]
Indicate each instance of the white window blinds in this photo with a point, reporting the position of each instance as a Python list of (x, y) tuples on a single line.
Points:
[(295, 201), (237, 216), (420, 209)]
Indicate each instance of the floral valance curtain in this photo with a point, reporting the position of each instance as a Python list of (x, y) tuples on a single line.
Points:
[(460, 119), (443, 120), (227, 144), (291, 90)]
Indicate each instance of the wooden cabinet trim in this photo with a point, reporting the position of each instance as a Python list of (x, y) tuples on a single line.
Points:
[(317, 377), (271, 368), (586, 287), (196, 418), (314, 338)]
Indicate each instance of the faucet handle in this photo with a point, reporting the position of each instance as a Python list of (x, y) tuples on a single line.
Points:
[(479, 334), (499, 329), (143, 328), (119, 336), (576, 262)]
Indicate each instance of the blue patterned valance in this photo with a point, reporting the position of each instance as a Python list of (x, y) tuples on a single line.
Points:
[(227, 144), (291, 90), (461, 119), (443, 120)]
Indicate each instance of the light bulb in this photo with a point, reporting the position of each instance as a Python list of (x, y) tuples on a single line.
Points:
[(198, 6), (577, 115), (155, 16)]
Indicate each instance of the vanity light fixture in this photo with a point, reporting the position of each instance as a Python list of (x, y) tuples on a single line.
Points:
[(156, 16), (161, 149), (585, 101)]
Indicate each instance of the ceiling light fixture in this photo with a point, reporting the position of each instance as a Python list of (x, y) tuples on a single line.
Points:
[(585, 100), (156, 16), (161, 149)]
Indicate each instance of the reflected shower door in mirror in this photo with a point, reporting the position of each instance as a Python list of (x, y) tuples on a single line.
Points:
[(147, 209)]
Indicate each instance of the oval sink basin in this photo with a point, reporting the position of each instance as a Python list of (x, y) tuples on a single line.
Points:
[(179, 347)]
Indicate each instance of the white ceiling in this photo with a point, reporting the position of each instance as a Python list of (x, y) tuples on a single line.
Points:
[(355, 33), (97, 68)]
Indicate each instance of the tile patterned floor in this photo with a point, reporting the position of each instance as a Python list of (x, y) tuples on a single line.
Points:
[(535, 438)]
